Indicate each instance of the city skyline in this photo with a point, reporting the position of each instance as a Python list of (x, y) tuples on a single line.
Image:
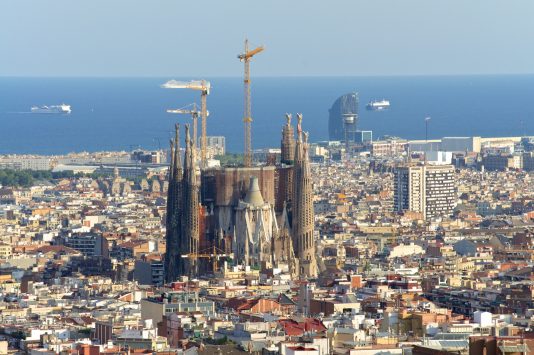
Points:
[(295, 205)]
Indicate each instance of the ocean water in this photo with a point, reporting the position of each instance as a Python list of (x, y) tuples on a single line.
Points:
[(125, 113)]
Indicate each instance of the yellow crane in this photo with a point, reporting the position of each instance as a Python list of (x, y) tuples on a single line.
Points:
[(204, 87), (194, 112), (208, 253), (245, 57)]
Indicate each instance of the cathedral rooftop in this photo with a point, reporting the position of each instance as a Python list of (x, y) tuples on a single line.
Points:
[(253, 196)]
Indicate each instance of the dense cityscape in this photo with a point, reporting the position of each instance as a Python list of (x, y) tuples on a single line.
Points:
[(148, 207), (352, 245)]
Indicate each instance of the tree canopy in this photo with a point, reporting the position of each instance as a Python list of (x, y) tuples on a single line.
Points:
[(27, 178)]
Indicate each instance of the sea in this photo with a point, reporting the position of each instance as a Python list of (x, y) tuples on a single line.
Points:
[(129, 113)]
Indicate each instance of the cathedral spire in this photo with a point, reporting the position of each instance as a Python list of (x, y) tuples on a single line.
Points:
[(187, 150), (173, 258), (287, 157), (303, 220), (288, 142), (177, 159), (191, 209), (299, 126), (299, 152), (171, 167)]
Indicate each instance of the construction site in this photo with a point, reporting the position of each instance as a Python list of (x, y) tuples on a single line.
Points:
[(237, 217)]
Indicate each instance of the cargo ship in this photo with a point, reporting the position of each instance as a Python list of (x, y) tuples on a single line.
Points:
[(375, 105), (51, 109)]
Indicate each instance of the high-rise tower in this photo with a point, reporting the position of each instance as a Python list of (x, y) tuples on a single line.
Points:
[(343, 118), (426, 189), (302, 207), (190, 236), (173, 258)]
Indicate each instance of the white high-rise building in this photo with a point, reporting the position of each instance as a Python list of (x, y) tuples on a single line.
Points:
[(216, 145), (427, 189)]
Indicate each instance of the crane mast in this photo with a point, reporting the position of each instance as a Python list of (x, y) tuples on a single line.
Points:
[(203, 120), (247, 118)]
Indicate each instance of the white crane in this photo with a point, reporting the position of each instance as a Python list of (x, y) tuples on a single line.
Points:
[(204, 87), (192, 110)]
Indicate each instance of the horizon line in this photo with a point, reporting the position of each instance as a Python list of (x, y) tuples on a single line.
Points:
[(259, 76)]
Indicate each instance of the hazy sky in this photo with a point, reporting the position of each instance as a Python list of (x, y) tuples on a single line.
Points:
[(302, 37)]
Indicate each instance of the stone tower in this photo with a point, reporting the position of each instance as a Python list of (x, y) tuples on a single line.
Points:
[(190, 235), (285, 171), (302, 207), (288, 142), (173, 259)]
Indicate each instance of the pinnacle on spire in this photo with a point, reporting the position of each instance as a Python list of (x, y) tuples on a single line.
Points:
[(187, 136), (299, 151), (177, 157), (305, 146), (187, 148), (299, 126), (177, 136), (288, 118), (189, 165), (171, 167), (287, 145)]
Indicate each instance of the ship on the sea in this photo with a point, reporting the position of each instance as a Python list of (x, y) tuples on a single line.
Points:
[(51, 109), (377, 105)]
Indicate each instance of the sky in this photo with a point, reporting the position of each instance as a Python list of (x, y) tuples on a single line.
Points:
[(302, 37)]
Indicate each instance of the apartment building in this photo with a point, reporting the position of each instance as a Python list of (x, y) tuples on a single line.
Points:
[(427, 189)]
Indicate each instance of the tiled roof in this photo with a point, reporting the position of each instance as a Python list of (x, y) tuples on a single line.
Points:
[(294, 328)]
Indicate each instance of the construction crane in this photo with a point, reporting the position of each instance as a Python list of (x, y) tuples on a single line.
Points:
[(194, 112), (245, 57), (208, 253), (204, 87)]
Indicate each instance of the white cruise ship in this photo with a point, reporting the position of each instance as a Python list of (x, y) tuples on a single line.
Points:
[(375, 105), (51, 109)]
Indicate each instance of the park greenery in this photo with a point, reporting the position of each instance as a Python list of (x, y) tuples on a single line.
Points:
[(27, 178)]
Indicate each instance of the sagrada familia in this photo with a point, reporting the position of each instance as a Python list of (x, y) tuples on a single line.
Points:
[(258, 217)]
